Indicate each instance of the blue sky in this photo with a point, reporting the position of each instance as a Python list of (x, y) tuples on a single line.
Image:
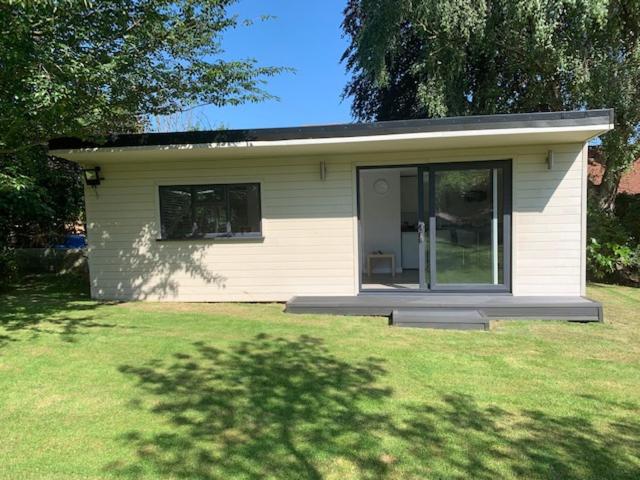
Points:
[(305, 35)]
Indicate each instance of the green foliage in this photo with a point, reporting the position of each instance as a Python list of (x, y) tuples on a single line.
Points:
[(8, 267), (40, 197), (628, 211), (87, 68), (613, 254), (606, 259), (432, 58)]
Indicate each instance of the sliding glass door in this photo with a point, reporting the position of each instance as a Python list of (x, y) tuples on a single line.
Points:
[(465, 218), (436, 227)]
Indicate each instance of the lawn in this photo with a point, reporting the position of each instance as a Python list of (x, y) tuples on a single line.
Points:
[(181, 391)]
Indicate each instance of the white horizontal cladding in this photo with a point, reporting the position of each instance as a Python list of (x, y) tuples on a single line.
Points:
[(553, 203), (532, 262), (240, 281), (245, 269), (120, 251), (307, 229), (534, 193), (548, 232), (308, 224), (538, 237), (176, 293)]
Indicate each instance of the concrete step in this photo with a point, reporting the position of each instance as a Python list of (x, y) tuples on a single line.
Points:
[(449, 319)]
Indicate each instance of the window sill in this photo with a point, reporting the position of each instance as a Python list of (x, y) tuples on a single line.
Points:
[(238, 239)]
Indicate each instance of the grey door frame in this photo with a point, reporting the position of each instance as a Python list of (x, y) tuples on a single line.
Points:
[(434, 286), (428, 218)]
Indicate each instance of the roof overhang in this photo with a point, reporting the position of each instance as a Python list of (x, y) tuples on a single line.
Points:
[(548, 128)]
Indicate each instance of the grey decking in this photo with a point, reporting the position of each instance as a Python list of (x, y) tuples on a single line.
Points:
[(458, 319), (577, 309)]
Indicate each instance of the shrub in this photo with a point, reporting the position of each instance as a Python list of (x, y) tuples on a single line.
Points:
[(628, 211), (8, 268), (613, 252), (605, 259)]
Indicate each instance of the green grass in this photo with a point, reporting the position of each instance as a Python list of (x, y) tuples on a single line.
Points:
[(180, 391)]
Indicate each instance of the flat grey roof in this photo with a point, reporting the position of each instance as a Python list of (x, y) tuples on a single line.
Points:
[(447, 124)]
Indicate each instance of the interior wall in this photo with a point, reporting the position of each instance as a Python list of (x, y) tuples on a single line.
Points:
[(380, 217), (409, 219), (409, 199)]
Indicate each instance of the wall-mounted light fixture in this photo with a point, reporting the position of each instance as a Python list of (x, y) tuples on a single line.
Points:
[(92, 176), (323, 170), (550, 160)]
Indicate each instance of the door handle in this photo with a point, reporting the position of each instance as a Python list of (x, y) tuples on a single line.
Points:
[(421, 230)]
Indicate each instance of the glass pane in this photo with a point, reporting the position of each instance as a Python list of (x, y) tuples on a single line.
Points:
[(425, 246), (388, 228), (175, 212), (500, 220), (244, 207), (210, 209), (464, 226)]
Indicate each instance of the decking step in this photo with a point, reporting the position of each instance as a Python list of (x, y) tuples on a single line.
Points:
[(450, 319), (495, 307)]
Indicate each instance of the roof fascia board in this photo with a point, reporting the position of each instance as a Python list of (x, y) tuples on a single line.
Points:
[(590, 130), (350, 130)]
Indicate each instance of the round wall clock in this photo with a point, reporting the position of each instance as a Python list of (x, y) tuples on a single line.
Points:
[(381, 187)]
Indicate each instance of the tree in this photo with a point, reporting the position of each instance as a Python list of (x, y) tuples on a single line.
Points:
[(41, 198), (432, 58), (88, 68)]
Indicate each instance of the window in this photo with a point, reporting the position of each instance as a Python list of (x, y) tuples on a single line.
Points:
[(210, 211)]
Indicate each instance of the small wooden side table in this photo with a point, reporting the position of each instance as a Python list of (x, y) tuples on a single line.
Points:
[(384, 256)]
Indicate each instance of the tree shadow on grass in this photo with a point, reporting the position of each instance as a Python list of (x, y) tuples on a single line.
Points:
[(487, 442), (263, 408), (48, 304), (280, 408)]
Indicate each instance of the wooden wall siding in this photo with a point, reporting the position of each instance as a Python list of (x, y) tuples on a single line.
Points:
[(307, 228), (548, 237), (310, 242)]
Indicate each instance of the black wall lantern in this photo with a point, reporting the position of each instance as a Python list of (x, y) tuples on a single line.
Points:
[(92, 176)]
